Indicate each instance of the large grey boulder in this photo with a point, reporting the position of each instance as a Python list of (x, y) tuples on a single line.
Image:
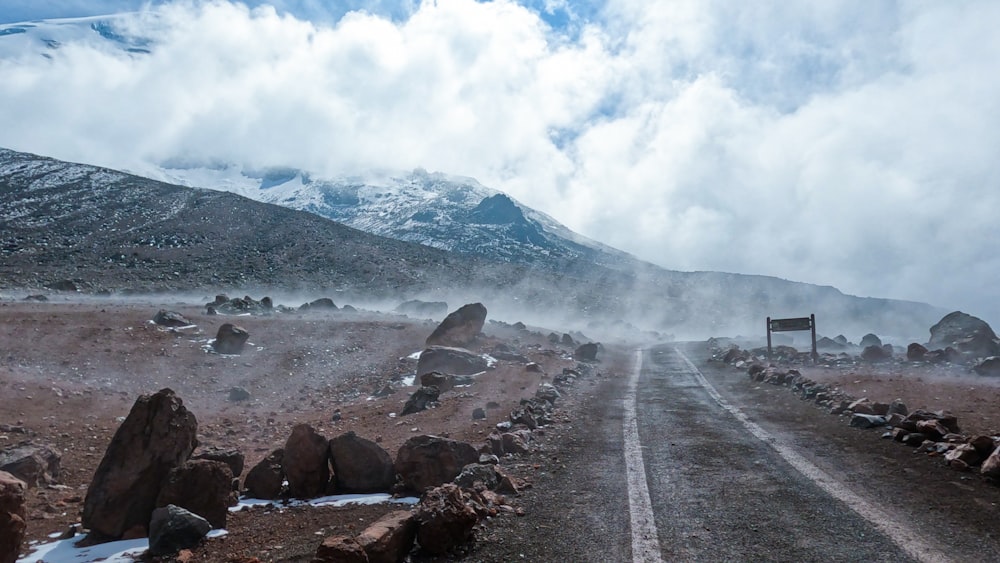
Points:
[(360, 465), (965, 333), (428, 461), (158, 435), (450, 360), (460, 327)]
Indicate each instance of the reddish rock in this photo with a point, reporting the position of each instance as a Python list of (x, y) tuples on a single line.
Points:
[(514, 443), (360, 465), (444, 520), (390, 538), (966, 453), (12, 516), (460, 327), (202, 486), (230, 339), (306, 462), (984, 445), (264, 480), (231, 457), (158, 435), (340, 549), (991, 467), (428, 461), (932, 428)]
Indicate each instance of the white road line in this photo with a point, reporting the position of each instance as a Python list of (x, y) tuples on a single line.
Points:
[(645, 540), (903, 537)]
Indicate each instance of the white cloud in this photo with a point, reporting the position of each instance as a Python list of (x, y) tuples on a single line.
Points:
[(829, 142)]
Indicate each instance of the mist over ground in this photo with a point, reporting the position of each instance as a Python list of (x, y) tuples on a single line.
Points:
[(831, 142)]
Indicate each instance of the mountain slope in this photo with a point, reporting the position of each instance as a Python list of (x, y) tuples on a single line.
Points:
[(109, 230)]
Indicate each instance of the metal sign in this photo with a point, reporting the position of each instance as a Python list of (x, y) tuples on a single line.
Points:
[(782, 325), (797, 323)]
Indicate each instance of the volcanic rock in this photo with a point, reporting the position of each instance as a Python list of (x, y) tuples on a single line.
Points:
[(171, 319), (586, 352), (991, 467), (870, 340), (264, 480), (485, 474), (966, 333), (171, 529), (915, 352), (202, 486), (547, 392), (360, 465), (444, 519), (35, 464), (988, 366), (13, 516), (306, 462), (230, 339), (158, 435), (321, 304), (460, 327), (428, 461), (456, 361), (875, 354), (390, 538), (231, 457), (421, 399), (237, 394), (340, 549)]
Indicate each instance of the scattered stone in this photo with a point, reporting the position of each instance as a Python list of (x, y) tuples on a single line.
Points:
[(513, 443), (237, 394), (158, 435), (171, 529), (35, 464), (428, 461), (460, 327), (230, 339), (306, 462), (484, 474), (547, 392), (264, 480), (478, 413), (360, 465)]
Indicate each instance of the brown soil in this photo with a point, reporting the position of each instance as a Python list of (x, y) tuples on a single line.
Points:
[(70, 370)]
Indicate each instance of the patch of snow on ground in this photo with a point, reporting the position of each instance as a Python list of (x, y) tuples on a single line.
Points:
[(332, 500), (64, 551)]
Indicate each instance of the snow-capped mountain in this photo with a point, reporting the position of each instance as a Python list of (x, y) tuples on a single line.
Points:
[(49, 38), (446, 212)]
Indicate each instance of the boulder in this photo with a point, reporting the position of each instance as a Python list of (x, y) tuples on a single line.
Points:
[(421, 399), (35, 464), (264, 480), (170, 319), (870, 340), (547, 392), (390, 538), (965, 333), (306, 462), (875, 354), (586, 352), (340, 549), (444, 519), (915, 352), (485, 474), (13, 517), (321, 304), (360, 465), (449, 360), (991, 467), (237, 394), (230, 339), (231, 457), (158, 435), (460, 327), (988, 366), (966, 453), (172, 529), (202, 486), (428, 461), (897, 406)]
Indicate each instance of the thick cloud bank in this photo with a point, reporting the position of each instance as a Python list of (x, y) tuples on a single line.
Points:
[(838, 143)]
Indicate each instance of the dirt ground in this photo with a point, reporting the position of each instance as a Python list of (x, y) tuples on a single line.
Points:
[(71, 370)]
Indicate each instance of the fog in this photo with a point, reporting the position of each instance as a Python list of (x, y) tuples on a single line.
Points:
[(829, 142)]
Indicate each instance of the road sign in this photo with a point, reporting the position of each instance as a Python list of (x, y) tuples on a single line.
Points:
[(797, 323)]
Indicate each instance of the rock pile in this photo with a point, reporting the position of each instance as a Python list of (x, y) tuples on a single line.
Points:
[(935, 433)]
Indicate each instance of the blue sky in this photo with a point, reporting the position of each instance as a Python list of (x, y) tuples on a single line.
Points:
[(832, 141)]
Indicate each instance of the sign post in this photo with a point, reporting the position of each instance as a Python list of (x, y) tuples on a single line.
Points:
[(798, 323)]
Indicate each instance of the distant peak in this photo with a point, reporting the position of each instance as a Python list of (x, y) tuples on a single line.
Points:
[(497, 209)]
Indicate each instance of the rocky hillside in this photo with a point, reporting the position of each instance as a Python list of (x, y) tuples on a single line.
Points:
[(71, 225)]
